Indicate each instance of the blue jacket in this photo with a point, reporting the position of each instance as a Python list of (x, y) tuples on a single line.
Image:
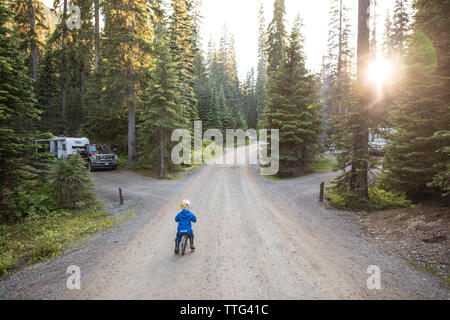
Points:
[(184, 219)]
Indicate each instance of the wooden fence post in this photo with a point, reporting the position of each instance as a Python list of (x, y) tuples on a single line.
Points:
[(120, 195), (322, 185)]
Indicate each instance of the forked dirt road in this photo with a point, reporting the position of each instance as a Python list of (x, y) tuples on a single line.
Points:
[(255, 239)]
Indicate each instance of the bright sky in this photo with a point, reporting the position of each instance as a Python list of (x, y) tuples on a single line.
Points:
[(241, 19)]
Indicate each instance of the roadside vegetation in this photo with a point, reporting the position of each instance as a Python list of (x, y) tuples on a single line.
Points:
[(173, 171), (378, 200), (410, 110), (50, 212), (42, 236)]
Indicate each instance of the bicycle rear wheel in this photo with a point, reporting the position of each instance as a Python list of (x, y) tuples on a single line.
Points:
[(183, 244)]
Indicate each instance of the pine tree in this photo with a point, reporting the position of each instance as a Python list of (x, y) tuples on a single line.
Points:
[(360, 162), (214, 113), (339, 59), (228, 118), (183, 43), (29, 20), (201, 87), (125, 56), (400, 28), (261, 78), (350, 129), (48, 99), (387, 37), (161, 105), (250, 101), (17, 115), (417, 160), (276, 37), (293, 109)]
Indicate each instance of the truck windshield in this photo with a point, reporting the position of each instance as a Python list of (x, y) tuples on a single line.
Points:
[(92, 149)]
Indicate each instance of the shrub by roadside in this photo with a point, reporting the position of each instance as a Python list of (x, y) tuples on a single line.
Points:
[(71, 183), (379, 199), (52, 215)]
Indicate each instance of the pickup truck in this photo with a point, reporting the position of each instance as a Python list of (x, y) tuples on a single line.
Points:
[(99, 156)]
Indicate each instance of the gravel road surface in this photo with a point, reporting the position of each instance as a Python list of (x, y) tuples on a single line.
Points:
[(255, 239)]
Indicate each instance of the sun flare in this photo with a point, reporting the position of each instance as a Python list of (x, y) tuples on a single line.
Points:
[(380, 71)]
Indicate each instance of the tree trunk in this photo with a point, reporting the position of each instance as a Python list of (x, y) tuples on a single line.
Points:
[(97, 33), (358, 179), (34, 66), (339, 64), (161, 146), (131, 95), (64, 72), (82, 88)]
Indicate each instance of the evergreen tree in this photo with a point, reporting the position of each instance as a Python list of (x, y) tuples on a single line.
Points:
[(293, 109), (72, 183), (250, 100), (48, 99), (276, 37), (339, 58), (183, 43), (387, 37), (29, 19), (17, 115), (117, 85), (214, 113), (201, 88), (400, 28), (350, 129), (161, 105), (261, 78), (419, 151)]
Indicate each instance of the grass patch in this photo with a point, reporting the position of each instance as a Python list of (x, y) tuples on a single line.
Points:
[(323, 164), (38, 238), (424, 267), (275, 178), (319, 165), (123, 161), (430, 269)]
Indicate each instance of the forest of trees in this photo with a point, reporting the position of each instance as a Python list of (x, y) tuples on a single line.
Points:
[(143, 74), (412, 104)]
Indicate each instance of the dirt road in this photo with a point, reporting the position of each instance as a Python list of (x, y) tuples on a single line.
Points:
[(255, 239)]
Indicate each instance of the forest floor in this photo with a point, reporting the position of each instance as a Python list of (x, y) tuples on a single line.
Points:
[(255, 239)]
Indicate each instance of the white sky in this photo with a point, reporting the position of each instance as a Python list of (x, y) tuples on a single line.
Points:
[(241, 19)]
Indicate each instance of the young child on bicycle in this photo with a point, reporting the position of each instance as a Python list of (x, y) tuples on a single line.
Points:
[(184, 219)]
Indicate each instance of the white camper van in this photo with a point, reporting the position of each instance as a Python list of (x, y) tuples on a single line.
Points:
[(64, 147)]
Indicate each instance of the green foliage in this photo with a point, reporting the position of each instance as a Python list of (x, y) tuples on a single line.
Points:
[(40, 237), (418, 158), (17, 117), (322, 164), (261, 77), (7, 262), (379, 199), (33, 203), (276, 37), (293, 108), (72, 183)]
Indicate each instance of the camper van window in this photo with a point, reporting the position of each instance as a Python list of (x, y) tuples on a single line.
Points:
[(64, 147)]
